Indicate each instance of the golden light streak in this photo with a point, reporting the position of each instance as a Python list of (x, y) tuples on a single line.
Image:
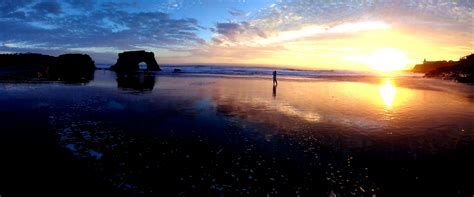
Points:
[(319, 29), (387, 93)]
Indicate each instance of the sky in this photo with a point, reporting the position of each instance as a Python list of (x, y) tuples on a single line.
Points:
[(313, 34)]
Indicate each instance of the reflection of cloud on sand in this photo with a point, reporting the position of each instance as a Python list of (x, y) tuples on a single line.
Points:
[(289, 110), (284, 114), (262, 107)]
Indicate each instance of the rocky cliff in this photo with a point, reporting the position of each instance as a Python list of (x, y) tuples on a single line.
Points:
[(461, 71)]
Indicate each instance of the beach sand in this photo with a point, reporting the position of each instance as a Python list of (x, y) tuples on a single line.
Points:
[(212, 135)]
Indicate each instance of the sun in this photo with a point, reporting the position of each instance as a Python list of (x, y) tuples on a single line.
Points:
[(388, 60)]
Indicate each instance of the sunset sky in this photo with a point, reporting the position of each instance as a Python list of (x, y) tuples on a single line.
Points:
[(325, 34)]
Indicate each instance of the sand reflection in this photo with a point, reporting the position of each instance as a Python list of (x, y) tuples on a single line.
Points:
[(292, 111), (370, 106), (387, 92), (365, 105)]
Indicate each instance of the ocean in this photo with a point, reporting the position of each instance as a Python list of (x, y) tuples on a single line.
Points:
[(255, 71)]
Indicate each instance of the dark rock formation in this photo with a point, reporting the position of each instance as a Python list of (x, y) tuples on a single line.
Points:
[(76, 62), (26, 60), (67, 67), (428, 66), (461, 71), (136, 81), (72, 68), (129, 60)]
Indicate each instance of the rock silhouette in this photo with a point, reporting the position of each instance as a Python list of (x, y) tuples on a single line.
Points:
[(136, 81), (130, 60), (32, 61), (428, 66), (461, 71), (72, 68), (67, 67)]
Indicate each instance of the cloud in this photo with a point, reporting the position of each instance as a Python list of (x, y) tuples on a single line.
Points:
[(48, 7), (320, 32), (292, 15), (275, 32), (288, 15), (229, 30), (9, 6), (311, 31), (237, 12), (64, 26), (82, 4), (233, 32)]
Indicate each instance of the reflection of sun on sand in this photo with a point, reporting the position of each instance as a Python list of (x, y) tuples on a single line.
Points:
[(392, 97), (363, 103), (387, 92)]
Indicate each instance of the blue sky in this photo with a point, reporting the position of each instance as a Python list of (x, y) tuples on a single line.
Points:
[(310, 33)]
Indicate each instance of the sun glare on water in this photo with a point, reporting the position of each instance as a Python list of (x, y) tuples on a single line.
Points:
[(388, 60)]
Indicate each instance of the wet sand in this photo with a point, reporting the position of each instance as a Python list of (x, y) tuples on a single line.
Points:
[(227, 135)]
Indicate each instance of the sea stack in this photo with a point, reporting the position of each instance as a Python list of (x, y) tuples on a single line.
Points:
[(130, 60), (66, 67), (72, 68), (74, 62)]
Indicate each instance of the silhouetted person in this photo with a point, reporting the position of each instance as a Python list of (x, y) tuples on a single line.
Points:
[(275, 82)]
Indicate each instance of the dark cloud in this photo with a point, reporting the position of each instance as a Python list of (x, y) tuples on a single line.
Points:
[(16, 14), (236, 12), (82, 4), (7, 7), (113, 6), (231, 30), (48, 7), (53, 26), (216, 41)]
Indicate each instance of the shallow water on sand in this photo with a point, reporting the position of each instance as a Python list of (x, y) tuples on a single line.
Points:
[(235, 135)]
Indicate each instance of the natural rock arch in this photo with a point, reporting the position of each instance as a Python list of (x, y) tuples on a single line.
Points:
[(129, 60)]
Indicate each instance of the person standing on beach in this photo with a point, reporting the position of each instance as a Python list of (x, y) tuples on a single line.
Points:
[(275, 82)]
